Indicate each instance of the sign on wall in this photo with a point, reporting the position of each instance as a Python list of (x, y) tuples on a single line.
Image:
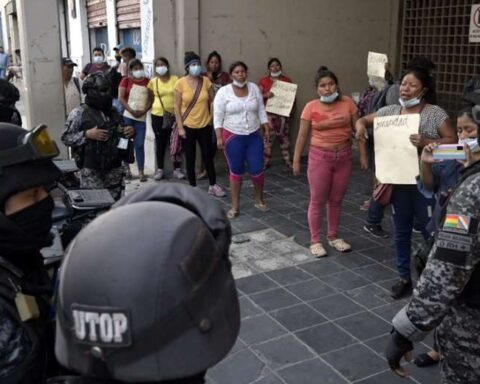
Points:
[(474, 35)]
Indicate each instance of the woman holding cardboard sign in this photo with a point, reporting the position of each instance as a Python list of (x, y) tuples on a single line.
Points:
[(137, 99), (417, 96), (280, 125), (329, 121)]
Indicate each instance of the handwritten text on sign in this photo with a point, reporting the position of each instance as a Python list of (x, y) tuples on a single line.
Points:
[(474, 35), (396, 159), (283, 98), (376, 64)]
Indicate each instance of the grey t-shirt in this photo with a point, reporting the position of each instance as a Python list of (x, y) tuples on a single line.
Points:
[(431, 118)]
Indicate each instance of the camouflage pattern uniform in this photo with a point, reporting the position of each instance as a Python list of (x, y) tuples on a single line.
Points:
[(74, 136), (443, 296)]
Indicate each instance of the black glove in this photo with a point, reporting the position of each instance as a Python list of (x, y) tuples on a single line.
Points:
[(397, 347)]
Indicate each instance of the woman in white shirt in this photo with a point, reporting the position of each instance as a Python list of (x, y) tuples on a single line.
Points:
[(239, 113)]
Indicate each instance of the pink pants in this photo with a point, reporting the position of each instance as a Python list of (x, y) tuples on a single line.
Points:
[(328, 176)]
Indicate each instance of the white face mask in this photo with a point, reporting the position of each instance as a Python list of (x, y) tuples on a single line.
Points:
[(139, 73), (239, 84), (276, 74), (98, 59), (161, 70), (471, 142)]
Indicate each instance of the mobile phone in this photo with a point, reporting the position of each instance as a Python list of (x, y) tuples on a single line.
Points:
[(449, 152)]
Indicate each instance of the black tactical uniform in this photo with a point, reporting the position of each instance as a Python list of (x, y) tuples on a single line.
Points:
[(25, 287), (100, 162)]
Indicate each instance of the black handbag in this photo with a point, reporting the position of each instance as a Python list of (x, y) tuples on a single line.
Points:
[(168, 118)]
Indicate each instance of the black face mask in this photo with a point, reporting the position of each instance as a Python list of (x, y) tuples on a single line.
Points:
[(99, 100), (35, 221)]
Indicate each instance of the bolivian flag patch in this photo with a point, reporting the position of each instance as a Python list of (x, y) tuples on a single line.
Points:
[(456, 223)]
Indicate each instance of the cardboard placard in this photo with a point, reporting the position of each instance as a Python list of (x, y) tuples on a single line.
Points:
[(376, 64), (396, 159), (283, 98)]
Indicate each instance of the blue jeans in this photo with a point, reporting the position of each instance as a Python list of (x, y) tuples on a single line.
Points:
[(408, 204), (139, 140), (3, 73), (375, 213)]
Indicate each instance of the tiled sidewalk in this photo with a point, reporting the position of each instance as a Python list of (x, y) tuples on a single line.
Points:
[(307, 320)]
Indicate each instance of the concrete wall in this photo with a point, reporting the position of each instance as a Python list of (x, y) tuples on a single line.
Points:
[(304, 34)]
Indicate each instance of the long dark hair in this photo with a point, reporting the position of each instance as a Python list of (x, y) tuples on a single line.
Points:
[(421, 67)]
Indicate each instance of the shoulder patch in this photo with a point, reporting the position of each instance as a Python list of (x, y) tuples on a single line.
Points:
[(456, 223)]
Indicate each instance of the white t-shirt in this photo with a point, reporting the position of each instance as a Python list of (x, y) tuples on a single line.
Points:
[(239, 115)]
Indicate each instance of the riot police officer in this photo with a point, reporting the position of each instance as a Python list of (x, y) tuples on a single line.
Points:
[(26, 172), (162, 308), (448, 293), (98, 138)]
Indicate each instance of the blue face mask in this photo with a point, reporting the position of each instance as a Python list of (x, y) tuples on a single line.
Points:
[(471, 142), (330, 98), (410, 103), (195, 70)]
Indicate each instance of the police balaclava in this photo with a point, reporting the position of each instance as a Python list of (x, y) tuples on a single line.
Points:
[(97, 92), (161, 308), (27, 230)]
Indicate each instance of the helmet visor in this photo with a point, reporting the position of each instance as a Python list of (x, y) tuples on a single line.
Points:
[(35, 145)]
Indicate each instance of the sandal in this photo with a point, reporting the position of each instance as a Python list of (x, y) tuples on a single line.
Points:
[(318, 250), (424, 360), (232, 213), (340, 245), (262, 207)]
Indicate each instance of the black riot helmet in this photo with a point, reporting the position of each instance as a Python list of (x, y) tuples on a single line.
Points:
[(9, 94), (97, 82), (97, 89), (162, 306), (25, 159)]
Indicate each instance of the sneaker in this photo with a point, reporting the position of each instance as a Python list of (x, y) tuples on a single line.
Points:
[(376, 230), (143, 178), (178, 174), (216, 190), (401, 289), (158, 174), (318, 250)]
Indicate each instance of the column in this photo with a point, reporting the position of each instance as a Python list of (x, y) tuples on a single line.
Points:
[(41, 61)]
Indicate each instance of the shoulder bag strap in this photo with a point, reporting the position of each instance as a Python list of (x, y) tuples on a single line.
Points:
[(194, 100), (158, 94)]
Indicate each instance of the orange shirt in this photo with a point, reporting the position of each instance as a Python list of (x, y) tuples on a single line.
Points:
[(331, 124)]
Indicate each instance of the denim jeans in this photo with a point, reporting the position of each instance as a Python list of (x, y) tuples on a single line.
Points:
[(375, 213), (139, 140), (408, 204)]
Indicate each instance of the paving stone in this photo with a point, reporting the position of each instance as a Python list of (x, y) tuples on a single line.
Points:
[(261, 328), (271, 263), (265, 236), (352, 260), (355, 362), (240, 270), (283, 351), (311, 289), (345, 280), (376, 273), (298, 317), (336, 306), (387, 377), (309, 372), (274, 299), (425, 375), (378, 344), (289, 275), (370, 296), (364, 325), (239, 368), (325, 338), (255, 284), (248, 308), (269, 379), (380, 254), (388, 311), (360, 243), (322, 267), (245, 251)]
